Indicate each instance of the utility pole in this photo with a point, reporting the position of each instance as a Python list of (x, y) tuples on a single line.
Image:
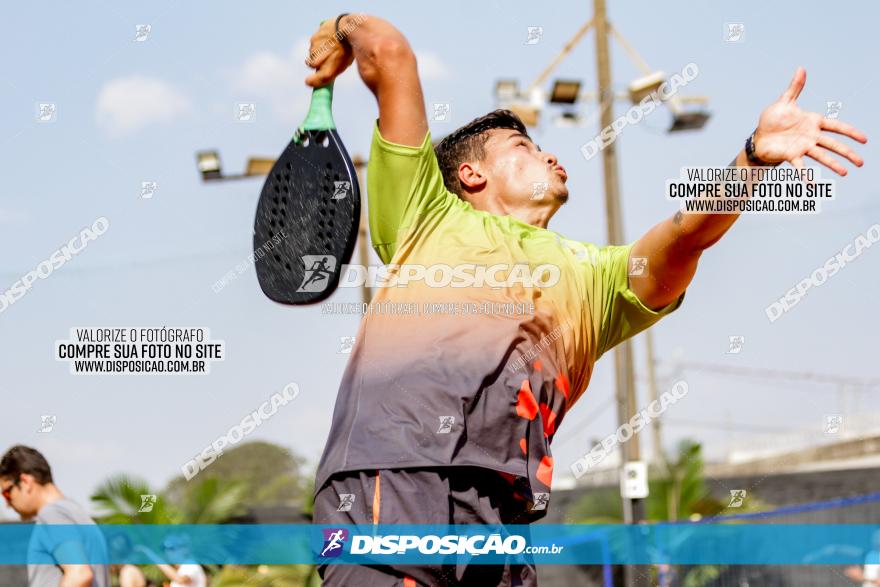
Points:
[(633, 508), (623, 356), (659, 456), (363, 241)]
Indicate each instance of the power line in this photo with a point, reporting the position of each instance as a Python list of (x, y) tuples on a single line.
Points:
[(589, 419), (783, 375), (727, 426), (135, 264)]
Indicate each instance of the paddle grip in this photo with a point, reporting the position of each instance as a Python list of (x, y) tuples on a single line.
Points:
[(320, 116)]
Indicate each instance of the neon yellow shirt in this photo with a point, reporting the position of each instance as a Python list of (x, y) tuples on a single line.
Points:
[(451, 371)]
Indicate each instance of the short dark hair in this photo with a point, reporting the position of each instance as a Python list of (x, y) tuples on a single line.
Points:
[(24, 459), (468, 144)]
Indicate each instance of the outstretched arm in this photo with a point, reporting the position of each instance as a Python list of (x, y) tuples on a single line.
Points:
[(386, 64), (784, 133)]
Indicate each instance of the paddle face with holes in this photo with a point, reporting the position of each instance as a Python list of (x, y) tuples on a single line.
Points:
[(309, 211)]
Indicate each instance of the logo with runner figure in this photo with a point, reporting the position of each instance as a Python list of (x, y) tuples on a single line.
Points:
[(346, 500), (341, 189), (541, 501), (737, 496), (334, 540), (148, 501), (446, 424), (47, 423), (319, 268)]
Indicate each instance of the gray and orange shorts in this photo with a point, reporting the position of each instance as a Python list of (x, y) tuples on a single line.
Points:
[(447, 495)]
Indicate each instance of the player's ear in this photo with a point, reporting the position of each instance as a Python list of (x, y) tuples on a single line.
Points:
[(471, 176), (27, 481)]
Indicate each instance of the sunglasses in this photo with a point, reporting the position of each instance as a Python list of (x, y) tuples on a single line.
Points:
[(7, 492)]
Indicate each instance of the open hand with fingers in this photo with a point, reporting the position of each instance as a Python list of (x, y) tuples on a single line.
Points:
[(787, 133)]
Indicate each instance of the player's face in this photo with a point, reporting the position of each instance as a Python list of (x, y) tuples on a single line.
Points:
[(19, 495), (522, 172)]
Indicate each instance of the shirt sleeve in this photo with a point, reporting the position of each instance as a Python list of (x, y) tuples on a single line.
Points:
[(52, 514), (57, 535), (623, 315), (403, 183)]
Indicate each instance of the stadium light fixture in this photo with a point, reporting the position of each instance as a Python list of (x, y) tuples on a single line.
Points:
[(644, 86), (258, 166), (568, 119), (565, 91), (506, 91), (682, 121), (211, 169), (209, 165), (528, 114)]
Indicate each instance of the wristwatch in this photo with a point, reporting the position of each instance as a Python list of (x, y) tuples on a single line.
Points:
[(750, 152), (339, 36)]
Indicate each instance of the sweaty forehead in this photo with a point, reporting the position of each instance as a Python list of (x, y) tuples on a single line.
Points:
[(499, 137), (502, 134)]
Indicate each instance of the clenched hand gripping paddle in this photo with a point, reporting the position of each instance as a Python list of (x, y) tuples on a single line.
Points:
[(309, 212)]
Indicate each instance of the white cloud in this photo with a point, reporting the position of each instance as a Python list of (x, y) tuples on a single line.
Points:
[(279, 79), (128, 104), (431, 66), (267, 73)]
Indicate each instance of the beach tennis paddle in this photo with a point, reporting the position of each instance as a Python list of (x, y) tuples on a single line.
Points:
[(309, 212)]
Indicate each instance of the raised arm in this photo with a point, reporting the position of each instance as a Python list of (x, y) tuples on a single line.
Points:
[(403, 178), (784, 133), (385, 62)]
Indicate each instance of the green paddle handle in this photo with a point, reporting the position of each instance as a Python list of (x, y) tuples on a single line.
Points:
[(320, 116)]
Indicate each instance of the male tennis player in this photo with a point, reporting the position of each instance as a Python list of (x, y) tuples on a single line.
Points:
[(446, 418)]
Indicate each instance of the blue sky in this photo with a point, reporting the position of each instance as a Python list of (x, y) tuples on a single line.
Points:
[(129, 112)]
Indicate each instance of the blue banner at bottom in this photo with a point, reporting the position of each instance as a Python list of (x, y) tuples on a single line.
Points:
[(676, 544)]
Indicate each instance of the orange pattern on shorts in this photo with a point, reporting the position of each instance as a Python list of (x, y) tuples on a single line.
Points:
[(509, 477), (377, 497), (526, 404), (545, 471), (563, 385), (522, 445), (549, 418)]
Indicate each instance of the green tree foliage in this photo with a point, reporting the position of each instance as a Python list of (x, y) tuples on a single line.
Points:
[(256, 473), (265, 576), (269, 474), (677, 491), (681, 492)]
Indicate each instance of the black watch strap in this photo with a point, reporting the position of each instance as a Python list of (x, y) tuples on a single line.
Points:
[(339, 36), (750, 152)]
